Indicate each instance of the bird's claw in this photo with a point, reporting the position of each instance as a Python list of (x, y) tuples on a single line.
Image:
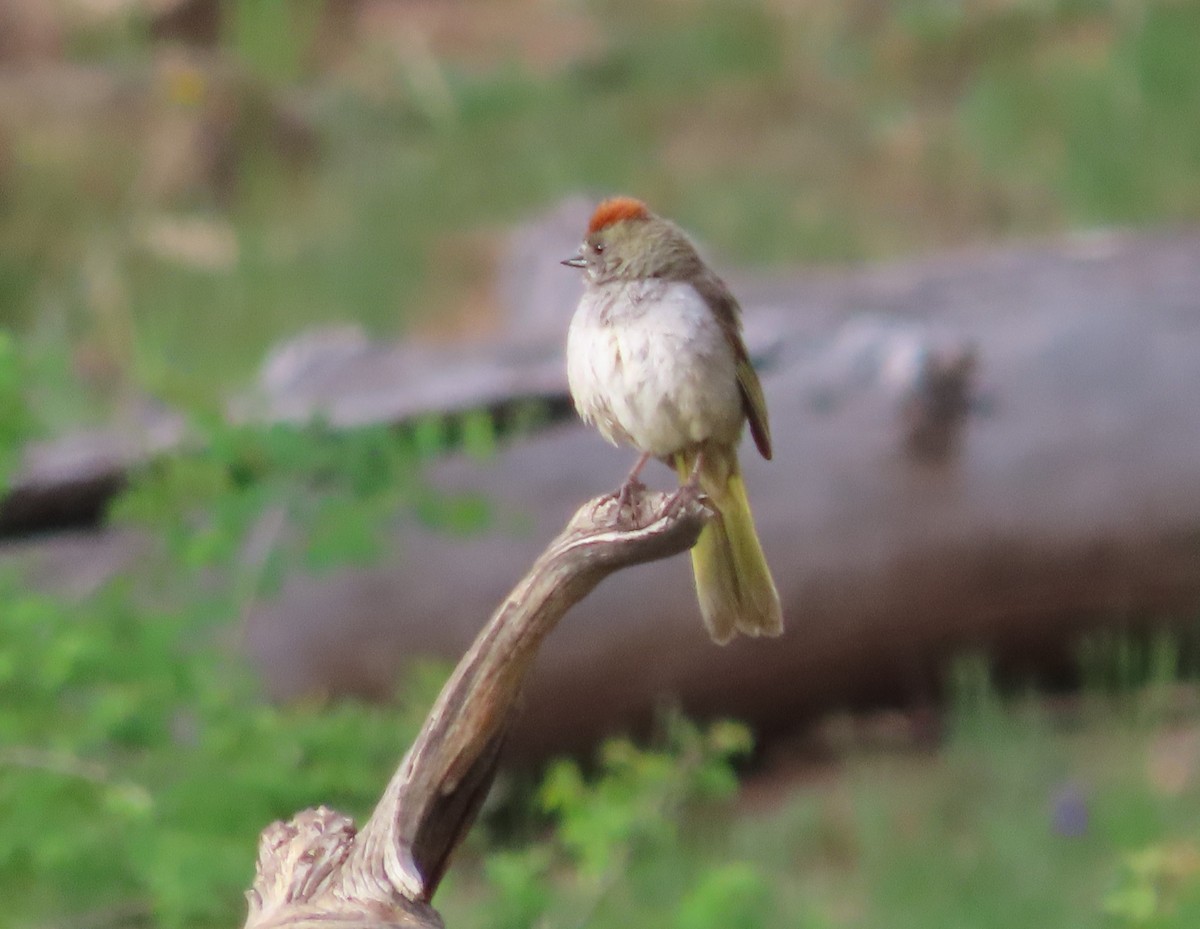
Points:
[(624, 496), (626, 492), (688, 493)]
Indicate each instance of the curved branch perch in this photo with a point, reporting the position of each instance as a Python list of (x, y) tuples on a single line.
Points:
[(316, 870)]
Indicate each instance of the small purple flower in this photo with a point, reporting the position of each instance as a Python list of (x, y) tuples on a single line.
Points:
[(1069, 812)]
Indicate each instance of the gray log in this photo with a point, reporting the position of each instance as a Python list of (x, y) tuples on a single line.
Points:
[(1065, 500), (1058, 492)]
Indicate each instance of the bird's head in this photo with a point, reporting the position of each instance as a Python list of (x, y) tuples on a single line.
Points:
[(626, 242)]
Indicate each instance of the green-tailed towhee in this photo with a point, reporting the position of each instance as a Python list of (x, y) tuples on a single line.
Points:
[(655, 359)]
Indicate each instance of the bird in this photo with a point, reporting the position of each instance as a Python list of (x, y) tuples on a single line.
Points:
[(656, 360)]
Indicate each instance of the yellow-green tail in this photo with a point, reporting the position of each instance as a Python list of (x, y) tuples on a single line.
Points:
[(733, 582)]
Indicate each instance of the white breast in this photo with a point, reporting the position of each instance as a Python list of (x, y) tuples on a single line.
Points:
[(648, 364)]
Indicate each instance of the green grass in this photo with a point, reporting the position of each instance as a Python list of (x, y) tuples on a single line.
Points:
[(1021, 817), (815, 133)]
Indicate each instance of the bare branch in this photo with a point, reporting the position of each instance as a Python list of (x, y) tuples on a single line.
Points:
[(315, 870)]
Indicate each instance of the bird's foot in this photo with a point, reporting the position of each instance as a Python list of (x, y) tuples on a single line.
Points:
[(689, 492), (626, 492), (624, 496)]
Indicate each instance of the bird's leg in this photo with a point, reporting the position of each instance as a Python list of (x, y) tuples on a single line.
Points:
[(624, 494), (688, 490), (631, 484)]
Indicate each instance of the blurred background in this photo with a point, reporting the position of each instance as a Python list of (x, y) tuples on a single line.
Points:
[(187, 185), (176, 172)]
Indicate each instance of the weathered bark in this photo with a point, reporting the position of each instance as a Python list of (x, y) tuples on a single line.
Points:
[(315, 871)]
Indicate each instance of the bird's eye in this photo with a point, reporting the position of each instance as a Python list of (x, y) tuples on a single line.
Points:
[(597, 247)]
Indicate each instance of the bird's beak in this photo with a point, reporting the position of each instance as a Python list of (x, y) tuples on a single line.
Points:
[(577, 262)]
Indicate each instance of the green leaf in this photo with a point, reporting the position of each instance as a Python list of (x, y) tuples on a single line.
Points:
[(731, 896)]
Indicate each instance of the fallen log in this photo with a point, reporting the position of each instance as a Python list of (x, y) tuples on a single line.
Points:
[(1061, 499), (992, 450)]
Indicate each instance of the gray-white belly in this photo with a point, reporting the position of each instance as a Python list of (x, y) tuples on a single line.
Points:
[(648, 364)]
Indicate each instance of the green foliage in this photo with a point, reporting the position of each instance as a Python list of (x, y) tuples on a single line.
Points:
[(635, 803), (1016, 820), (732, 896), (1088, 122), (1158, 886), (1119, 663), (521, 889), (138, 758), (245, 492), (16, 420), (273, 37), (619, 836)]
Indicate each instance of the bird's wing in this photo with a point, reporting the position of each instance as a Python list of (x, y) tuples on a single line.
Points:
[(755, 403), (729, 315)]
